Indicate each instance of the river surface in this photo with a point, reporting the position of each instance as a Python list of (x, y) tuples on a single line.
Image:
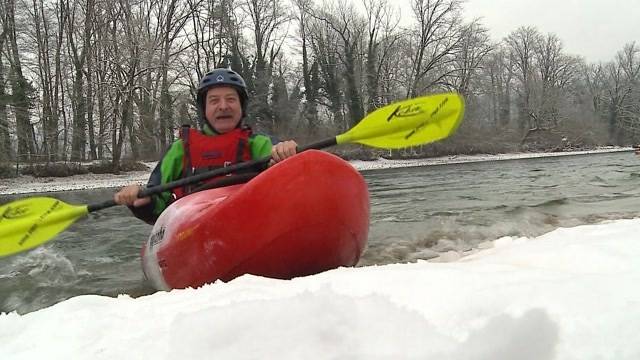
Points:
[(431, 212)]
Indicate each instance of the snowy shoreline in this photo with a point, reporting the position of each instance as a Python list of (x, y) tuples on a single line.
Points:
[(28, 184)]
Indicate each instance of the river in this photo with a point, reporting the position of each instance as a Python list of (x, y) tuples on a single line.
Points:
[(431, 212)]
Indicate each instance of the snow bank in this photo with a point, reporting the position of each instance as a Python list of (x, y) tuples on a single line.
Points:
[(570, 294)]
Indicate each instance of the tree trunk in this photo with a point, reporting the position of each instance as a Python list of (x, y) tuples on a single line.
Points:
[(20, 90), (356, 111), (88, 53), (44, 76), (102, 121), (133, 138), (5, 140), (166, 115), (372, 76), (65, 121), (146, 110), (613, 123), (90, 122), (79, 135), (58, 98), (119, 140)]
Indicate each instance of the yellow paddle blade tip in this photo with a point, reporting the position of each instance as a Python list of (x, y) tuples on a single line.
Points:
[(29, 223)]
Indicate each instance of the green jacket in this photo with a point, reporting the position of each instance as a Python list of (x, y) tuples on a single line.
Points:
[(169, 169)]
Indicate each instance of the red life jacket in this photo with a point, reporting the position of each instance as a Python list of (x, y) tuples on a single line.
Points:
[(203, 153)]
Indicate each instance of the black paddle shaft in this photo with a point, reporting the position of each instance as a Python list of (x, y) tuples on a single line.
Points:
[(153, 190), (258, 164)]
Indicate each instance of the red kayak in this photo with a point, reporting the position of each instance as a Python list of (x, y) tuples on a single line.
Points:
[(305, 215)]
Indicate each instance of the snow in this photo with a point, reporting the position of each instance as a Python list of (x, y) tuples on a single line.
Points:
[(459, 159), (28, 184), (569, 294)]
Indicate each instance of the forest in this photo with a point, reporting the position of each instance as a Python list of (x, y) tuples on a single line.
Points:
[(113, 80)]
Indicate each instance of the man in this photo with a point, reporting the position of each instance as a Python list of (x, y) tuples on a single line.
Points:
[(222, 102)]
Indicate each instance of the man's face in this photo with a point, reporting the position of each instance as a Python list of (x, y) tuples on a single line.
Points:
[(223, 109)]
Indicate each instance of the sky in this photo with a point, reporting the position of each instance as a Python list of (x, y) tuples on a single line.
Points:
[(594, 29), (569, 294)]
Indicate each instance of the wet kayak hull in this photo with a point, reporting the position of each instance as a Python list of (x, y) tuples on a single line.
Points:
[(305, 215)]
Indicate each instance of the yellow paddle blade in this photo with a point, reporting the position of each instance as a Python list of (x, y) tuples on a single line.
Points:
[(27, 223), (409, 122)]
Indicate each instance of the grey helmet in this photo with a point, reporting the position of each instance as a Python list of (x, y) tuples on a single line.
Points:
[(222, 77)]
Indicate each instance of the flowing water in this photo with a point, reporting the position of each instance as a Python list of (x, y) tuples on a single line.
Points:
[(416, 213)]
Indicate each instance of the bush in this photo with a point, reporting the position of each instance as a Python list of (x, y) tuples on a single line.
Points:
[(106, 167), (103, 167), (131, 165), (54, 170), (7, 171)]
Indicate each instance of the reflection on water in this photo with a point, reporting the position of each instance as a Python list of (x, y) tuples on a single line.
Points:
[(416, 213)]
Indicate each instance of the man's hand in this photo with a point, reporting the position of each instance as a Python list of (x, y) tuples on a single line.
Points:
[(282, 150), (128, 195)]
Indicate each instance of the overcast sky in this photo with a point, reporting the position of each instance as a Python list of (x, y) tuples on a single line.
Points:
[(595, 29)]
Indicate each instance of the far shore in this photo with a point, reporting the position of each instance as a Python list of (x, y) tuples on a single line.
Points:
[(26, 184)]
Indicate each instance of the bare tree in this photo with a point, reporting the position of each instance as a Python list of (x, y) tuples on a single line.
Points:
[(165, 22), (556, 71), (49, 21), (125, 54), (521, 44), (595, 80), (474, 47), (173, 19), (210, 21), (498, 70), (382, 35), (146, 100), (629, 60), (20, 88), (434, 44), (309, 70), (101, 75), (5, 140), (348, 26), (328, 65), (616, 96), (628, 107), (612, 93), (110, 79), (267, 18), (79, 29), (88, 40), (285, 102), (214, 39)]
